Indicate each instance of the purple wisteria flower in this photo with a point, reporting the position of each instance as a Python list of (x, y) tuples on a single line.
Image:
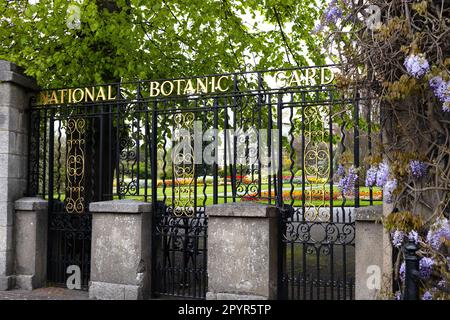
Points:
[(413, 236), (317, 28), (402, 271), (441, 89), (418, 168), (427, 296), (389, 188), (442, 283), (341, 171), (438, 232), (371, 176), (332, 13), (397, 238), (416, 65), (382, 174), (446, 107), (426, 267), (398, 295), (347, 183)]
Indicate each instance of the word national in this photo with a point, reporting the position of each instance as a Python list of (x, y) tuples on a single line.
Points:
[(77, 95)]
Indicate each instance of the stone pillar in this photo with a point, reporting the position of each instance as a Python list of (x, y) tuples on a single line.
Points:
[(242, 251), (15, 94), (120, 254), (30, 234), (368, 252)]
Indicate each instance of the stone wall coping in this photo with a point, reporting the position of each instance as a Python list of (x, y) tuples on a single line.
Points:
[(242, 209), (30, 204), (120, 206), (370, 213), (9, 72)]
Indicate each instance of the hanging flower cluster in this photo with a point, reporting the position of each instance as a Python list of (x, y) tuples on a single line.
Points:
[(398, 236), (347, 181), (427, 296), (330, 16), (380, 176), (426, 267), (418, 168), (332, 13), (441, 89), (371, 176), (413, 236), (438, 233), (416, 65)]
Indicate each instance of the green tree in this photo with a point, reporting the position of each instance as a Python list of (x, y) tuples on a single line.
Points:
[(135, 39)]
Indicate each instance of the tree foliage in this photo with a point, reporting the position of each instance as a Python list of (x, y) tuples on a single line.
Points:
[(135, 39)]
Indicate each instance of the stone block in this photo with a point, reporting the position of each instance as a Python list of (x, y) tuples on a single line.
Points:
[(6, 211), (30, 232), (13, 95), (6, 263), (4, 173), (120, 254), (11, 189), (242, 209), (6, 282), (13, 143), (368, 253), (12, 76), (370, 213), (112, 291), (13, 120), (9, 66), (31, 204), (4, 141), (120, 206), (21, 146), (26, 282), (6, 238), (242, 250), (14, 168), (232, 296)]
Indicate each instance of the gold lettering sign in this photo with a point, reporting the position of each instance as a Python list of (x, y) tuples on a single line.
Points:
[(194, 86), (304, 77), (77, 95)]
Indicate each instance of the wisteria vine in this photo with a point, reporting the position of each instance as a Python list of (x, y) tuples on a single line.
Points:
[(400, 49)]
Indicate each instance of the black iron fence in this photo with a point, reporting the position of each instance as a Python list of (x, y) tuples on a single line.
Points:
[(227, 138)]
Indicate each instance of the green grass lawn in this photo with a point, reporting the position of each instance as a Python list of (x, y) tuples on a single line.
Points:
[(209, 190), (201, 191)]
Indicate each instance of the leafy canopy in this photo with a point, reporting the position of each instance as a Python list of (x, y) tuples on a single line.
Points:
[(134, 39)]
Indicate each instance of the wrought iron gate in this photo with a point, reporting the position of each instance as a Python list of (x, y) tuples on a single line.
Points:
[(271, 143), (66, 145)]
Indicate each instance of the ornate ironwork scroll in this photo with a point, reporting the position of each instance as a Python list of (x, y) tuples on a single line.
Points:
[(317, 162), (184, 166), (75, 165)]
